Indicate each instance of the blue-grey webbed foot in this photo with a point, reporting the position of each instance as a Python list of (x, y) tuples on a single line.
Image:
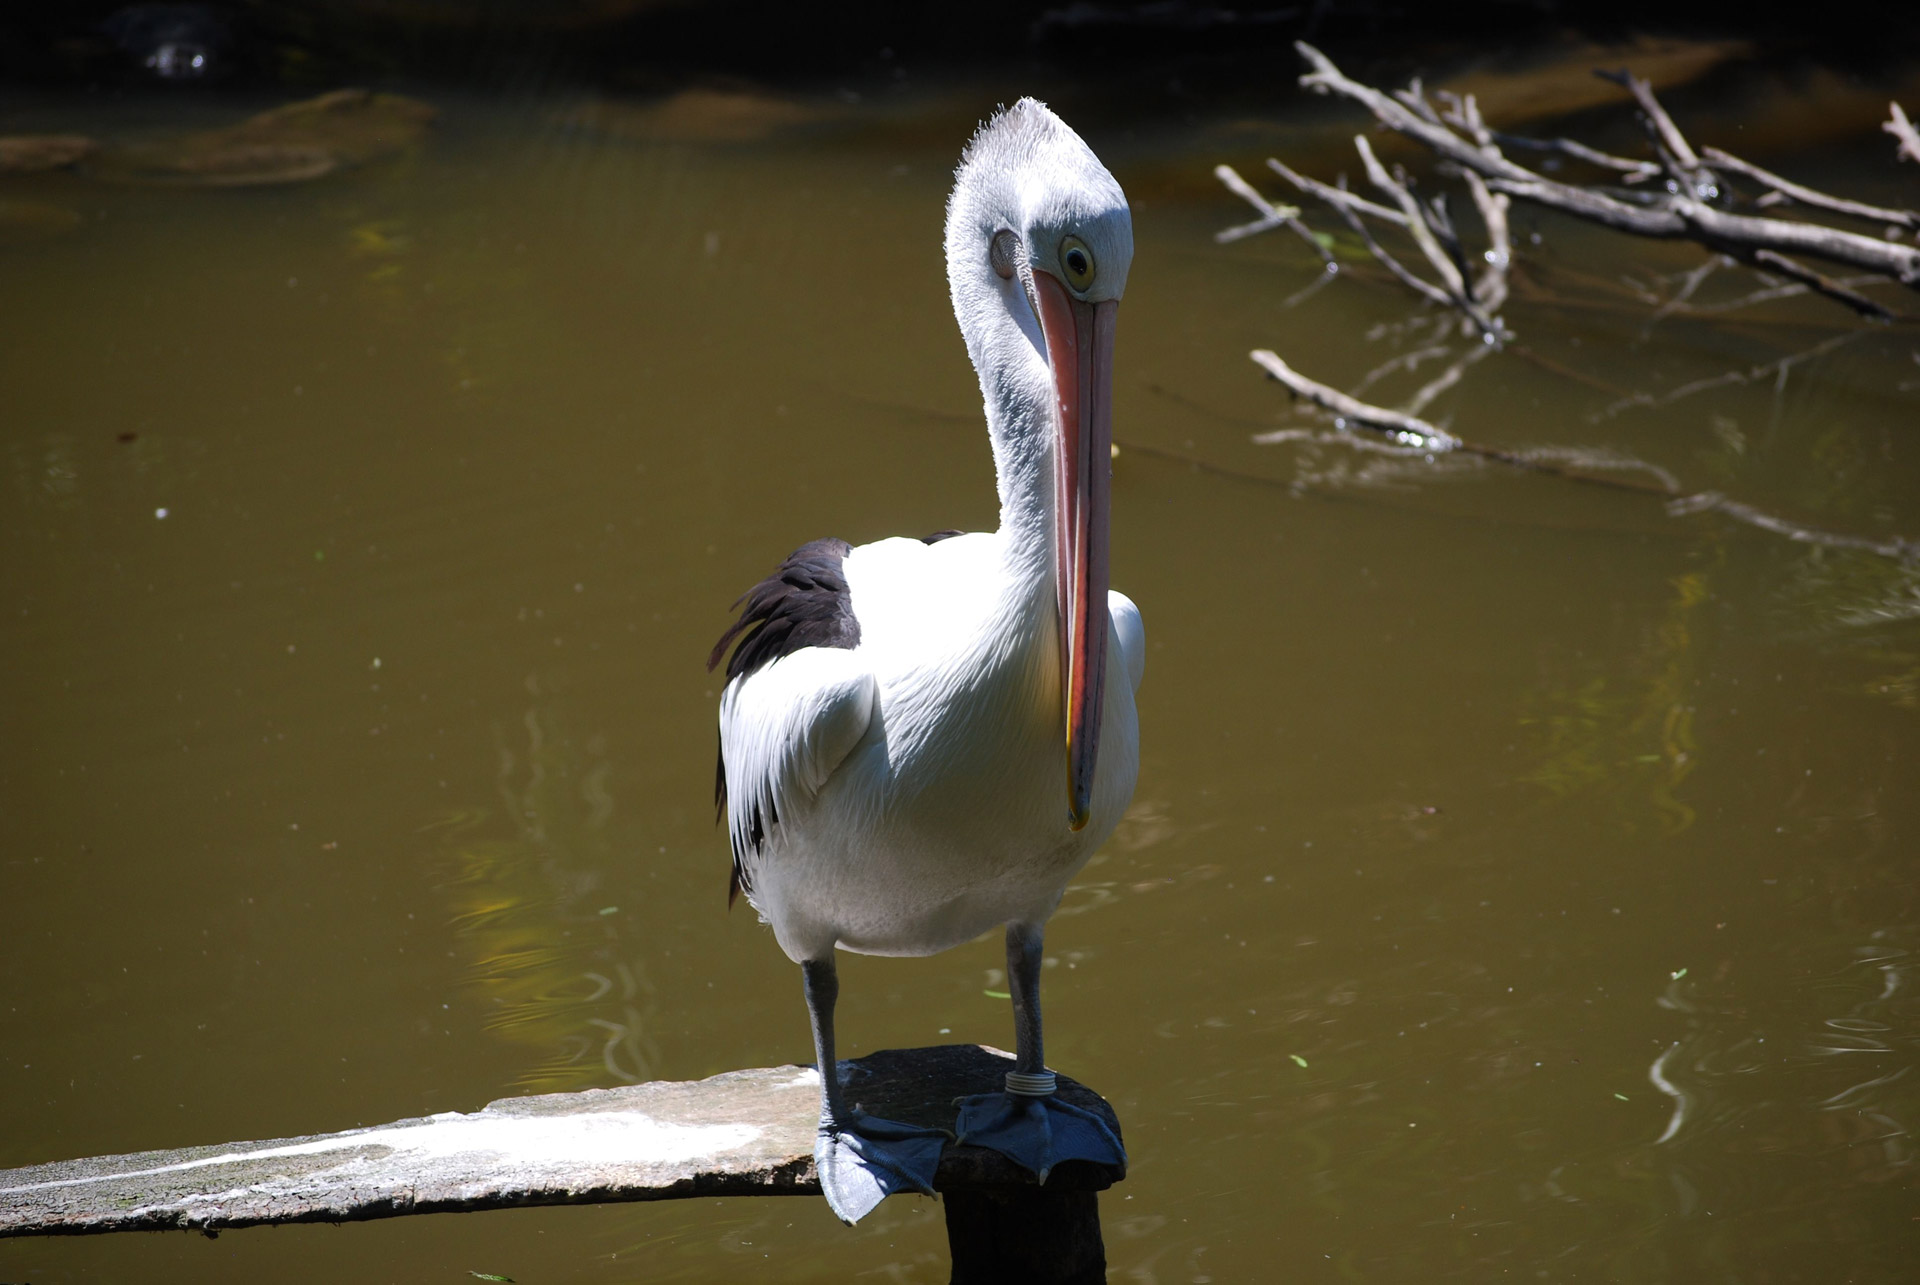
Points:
[(863, 1159), (1037, 1132)]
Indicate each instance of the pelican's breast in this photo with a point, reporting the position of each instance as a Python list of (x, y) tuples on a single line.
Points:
[(965, 660)]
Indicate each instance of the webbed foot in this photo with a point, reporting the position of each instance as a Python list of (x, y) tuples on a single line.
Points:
[(863, 1159), (1037, 1132)]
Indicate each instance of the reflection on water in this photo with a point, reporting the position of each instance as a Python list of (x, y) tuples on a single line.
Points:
[(547, 957), (1520, 881), (1631, 729)]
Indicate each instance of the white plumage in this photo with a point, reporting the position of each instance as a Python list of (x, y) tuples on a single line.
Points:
[(919, 777), (923, 740)]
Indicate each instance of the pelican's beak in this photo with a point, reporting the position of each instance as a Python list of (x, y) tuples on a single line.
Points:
[(1080, 351)]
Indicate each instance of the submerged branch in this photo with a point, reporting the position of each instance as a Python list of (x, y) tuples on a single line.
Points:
[(1776, 370), (1817, 282), (1417, 436), (1407, 429), (1714, 502)]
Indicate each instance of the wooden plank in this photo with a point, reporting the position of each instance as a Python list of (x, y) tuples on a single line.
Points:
[(742, 1133)]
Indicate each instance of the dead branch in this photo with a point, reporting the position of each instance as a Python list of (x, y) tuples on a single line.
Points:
[(1776, 370), (1685, 211), (1409, 430), (1338, 197), (1630, 171), (1428, 224), (1771, 291), (1406, 432), (1807, 196), (1902, 129), (1464, 115), (1490, 288), (1817, 282), (1271, 216), (1426, 289), (1677, 156), (1693, 205), (1416, 435)]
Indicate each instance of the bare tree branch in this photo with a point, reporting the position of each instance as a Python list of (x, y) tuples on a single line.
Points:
[(1271, 215), (1688, 209), (1772, 292), (1817, 282), (1421, 433), (1418, 435), (1682, 218), (1677, 156), (1420, 222), (1327, 78), (1425, 289), (1902, 129), (1464, 115), (1337, 196), (1681, 214), (1490, 288), (1415, 98), (1807, 196), (1633, 171)]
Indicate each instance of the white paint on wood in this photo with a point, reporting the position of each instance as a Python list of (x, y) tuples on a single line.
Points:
[(537, 1143)]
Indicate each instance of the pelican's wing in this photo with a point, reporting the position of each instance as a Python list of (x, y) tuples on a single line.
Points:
[(796, 700), (1131, 633), (784, 729)]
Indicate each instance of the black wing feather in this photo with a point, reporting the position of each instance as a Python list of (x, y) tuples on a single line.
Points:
[(805, 603)]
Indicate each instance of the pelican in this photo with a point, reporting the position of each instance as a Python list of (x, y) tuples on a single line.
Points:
[(922, 740)]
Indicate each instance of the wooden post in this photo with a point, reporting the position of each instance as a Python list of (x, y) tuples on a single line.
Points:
[(1044, 1235), (742, 1133)]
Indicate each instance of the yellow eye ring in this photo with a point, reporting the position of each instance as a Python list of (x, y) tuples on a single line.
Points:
[(1076, 262)]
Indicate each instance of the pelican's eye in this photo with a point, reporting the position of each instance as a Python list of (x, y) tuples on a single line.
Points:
[(1076, 260)]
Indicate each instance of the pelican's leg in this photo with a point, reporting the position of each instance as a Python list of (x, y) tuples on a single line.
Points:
[(1027, 1123), (861, 1159), (1026, 951)]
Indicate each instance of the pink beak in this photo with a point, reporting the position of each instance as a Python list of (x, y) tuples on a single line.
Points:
[(1079, 339)]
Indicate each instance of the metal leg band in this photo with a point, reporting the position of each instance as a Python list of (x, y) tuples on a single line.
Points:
[(1031, 1084)]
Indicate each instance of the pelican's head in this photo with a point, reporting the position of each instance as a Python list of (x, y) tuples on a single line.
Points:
[(1039, 240), (1030, 199)]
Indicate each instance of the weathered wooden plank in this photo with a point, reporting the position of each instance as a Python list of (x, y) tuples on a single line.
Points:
[(742, 1133)]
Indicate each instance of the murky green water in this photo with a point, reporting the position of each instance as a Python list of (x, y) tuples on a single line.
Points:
[(1522, 880)]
